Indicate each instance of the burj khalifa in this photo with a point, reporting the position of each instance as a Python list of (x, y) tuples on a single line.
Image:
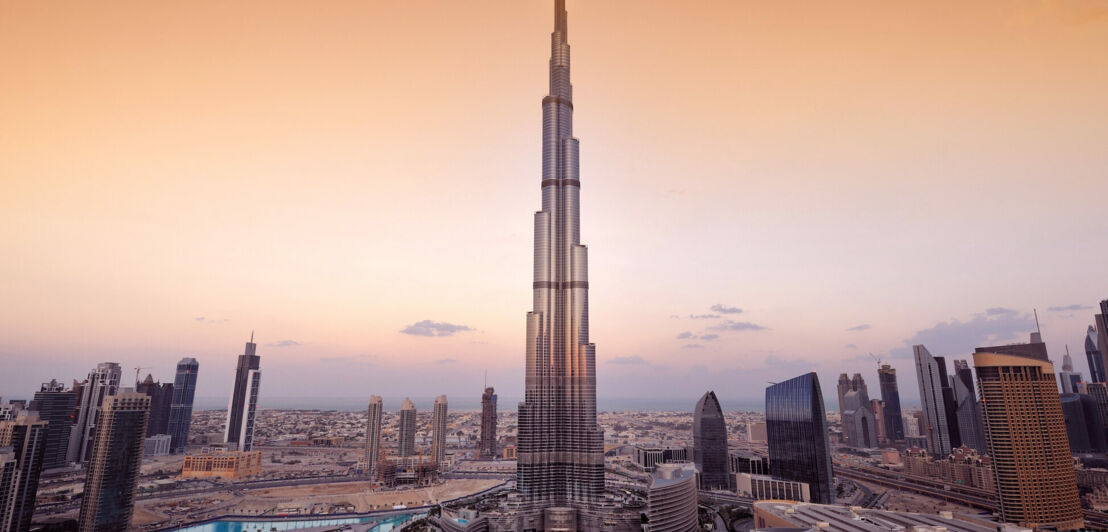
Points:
[(560, 448)]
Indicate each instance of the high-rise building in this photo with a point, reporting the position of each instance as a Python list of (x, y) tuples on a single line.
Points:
[(1101, 321), (102, 382), (243, 405), (843, 387), (796, 427), (1092, 354), (672, 499), (930, 379), (1099, 392), (55, 406), (180, 409), (878, 409), (560, 466), (890, 395), (374, 414), (407, 429), (438, 430), (26, 436), (967, 410), (949, 405), (1068, 376), (859, 425), (488, 424), (1084, 428), (161, 399), (710, 444), (1027, 439), (114, 462)]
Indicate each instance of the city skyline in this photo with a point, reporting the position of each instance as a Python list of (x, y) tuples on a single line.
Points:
[(162, 236)]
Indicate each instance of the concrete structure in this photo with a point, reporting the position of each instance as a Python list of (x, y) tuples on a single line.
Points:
[(756, 432), (762, 487), (374, 414), (218, 463), (748, 462), (890, 395), (930, 378), (962, 467), (967, 410), (797, 428), (911, 426), (25, 439), (101, 382), (242, 408), (55, 405), (672, 500), (649, 458), (859, 424), (158, 445), (710, 444), (799, 516), (109, 497), (487, 445), (406, 429), (180, 408), (1026, 435), (438, 431)]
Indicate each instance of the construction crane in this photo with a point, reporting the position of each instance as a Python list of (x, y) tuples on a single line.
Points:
[(137, 370), (877, 359)]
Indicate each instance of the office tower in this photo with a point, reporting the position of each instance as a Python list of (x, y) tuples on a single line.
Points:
[(857, 418), (842, 388), (1084, 428), (878, 409), (890, 395), (1026, 433), (672, 499), (26, 436), (1092, 353), (161, 399), (949, 405), (710, 444), (1101, 321), (967, 410), (911, 426), (407, 429), (1068, 376), (488, 424), (180, 409), (438, 430), (374, 414), (102, 382), (561, 447), (7, 480), (796, 427), (109, 497), (55, 406), (931, 398), (243, 405), (1099, 392)]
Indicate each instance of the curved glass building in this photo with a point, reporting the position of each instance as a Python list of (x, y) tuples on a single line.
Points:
[(796, 429), (710, 444)]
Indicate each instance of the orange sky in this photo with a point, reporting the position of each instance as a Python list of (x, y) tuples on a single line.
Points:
[(330, 173)]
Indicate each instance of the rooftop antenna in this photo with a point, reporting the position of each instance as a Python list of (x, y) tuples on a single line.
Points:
[(252, 335), (1037, 329), (486, 383)]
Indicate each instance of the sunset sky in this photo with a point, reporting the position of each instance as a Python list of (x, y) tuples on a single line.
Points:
[(355, 181)]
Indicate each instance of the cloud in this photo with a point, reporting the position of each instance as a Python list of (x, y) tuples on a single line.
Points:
[(999, 311), (202, 319), (362, 359), (433, 328), (633, 359), (446, 361), (1069, 308), (861, 327), (955, 337), (851, 346), (704, 316), (691, 346), (724, 309), (285, 343), (686, 335), (709, 337), (737, 326)]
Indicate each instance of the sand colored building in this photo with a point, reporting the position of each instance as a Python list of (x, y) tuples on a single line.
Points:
[(218, 463)]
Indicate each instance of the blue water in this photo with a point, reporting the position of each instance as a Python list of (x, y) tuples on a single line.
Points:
[(385, 524)]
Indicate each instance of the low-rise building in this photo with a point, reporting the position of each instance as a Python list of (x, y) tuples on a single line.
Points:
[(157, 445), (211, 463), (763, 487), (801, 516), (963, 466)]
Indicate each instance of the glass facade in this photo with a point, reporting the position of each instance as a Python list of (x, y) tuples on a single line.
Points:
[(890, 394), (180, 411), (796, 427), (710, 444)]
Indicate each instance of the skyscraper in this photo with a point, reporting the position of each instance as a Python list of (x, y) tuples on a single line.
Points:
[(710, 444), (407, 429), (102, 382), (561, 446), (1068, 376), (488, 424), (843, 387), (55, 405), (859, 425), (967, 410), (161, 399), (890, 394), (109, 497), (1092, 353), (1101, 321), (796, 430), (1027, 439), (243, 404), (1084, 429), (438, 430), (374, 414), (949, 405), (180, 410), (931, 398), (27, 437)]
